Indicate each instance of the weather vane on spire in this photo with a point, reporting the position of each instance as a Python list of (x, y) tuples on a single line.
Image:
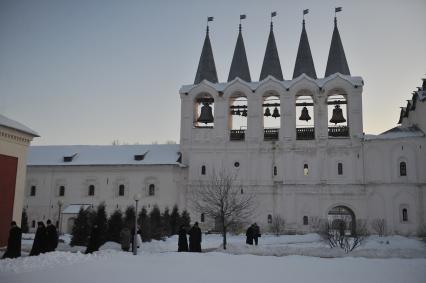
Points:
[(242, 17), (305, 11), (209, 19)]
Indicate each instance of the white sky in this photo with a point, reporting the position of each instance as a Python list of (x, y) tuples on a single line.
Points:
[(90, 72)]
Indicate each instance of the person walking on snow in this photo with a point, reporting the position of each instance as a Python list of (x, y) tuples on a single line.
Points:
[(256, 233), (51, 237), (183, 241), (14, 242), (195, 238), (39, 244), (250, 235)]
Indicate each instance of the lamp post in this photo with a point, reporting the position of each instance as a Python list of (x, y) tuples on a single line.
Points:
[(136, 197), (59, 216)]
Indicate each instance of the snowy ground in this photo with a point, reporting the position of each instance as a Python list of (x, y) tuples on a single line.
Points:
[(298, 258)]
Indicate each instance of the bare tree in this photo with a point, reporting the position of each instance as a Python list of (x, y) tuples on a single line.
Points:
[(277, 225), (220, 198), (341, 239), (379, 226)]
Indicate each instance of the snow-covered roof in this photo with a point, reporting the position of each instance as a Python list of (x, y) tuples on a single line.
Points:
[(74, 208), (12, 124), (397, 133), (73, 155), (221, 87)]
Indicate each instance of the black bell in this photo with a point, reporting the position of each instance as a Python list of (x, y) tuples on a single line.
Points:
[(267, 112), (238, 112), (244, 113), (337, 115), (276, 113), (304, 115), (206, 115)]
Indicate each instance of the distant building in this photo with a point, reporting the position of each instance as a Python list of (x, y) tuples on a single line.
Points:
[(14, 141), (297, 144)]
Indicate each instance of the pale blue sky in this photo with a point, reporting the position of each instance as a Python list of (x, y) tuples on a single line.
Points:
[(90, 72)]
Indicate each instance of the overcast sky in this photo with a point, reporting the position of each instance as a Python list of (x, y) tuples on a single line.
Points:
[(90, 72)]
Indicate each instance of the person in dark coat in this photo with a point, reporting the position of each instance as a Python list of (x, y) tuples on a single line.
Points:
[(51, 237), (14, 242), (125, 239), (39, 244), (182, 242), (250, 235), (195, 238), (256, 233), (94, 240)]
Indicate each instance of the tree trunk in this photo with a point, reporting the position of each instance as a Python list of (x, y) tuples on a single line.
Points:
[(224, 237)]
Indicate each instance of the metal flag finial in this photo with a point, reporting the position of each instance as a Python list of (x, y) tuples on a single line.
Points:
[(305, 11), (273, 14), (209, 19), (336, 10)]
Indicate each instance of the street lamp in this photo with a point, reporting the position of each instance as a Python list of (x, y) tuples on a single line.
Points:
[(59, 216), (136, 197)]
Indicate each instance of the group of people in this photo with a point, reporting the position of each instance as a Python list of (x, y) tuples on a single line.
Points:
[(253, 234), (194, 239), (45, 240)]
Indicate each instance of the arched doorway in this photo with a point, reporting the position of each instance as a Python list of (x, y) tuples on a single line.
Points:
[(342, 219)]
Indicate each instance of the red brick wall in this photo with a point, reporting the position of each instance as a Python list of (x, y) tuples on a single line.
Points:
[(8, 168)]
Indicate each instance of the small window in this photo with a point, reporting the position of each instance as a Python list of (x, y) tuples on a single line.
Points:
[(237, 164), (202, 217), (275, 171), (151, 190), (91, 190), (269, 218), (242, 191), (305, 220), (404, 215), (33, 224), (62, 191), (305, 169), (121, 190), (203, 170), (402, 169), (339, 168), (33, 191)]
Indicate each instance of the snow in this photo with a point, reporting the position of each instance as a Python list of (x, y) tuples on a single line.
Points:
[(158, 262), (9, 123), (75, 208), (221, 87), (155, 154), (397, 133)]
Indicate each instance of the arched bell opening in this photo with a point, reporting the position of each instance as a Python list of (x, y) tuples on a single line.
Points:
[(238, 112), (341, 220), (271, 117), (203, 111), (337, 109), (305, 129)]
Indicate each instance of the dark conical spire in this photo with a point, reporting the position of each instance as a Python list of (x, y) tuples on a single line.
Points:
[(271, 61), (206, 67), (336, 57), (239, 65), (304, 62)]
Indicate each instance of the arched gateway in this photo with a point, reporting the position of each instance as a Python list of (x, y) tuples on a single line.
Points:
[(342, 219)]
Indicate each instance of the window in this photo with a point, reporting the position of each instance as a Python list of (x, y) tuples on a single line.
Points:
[(61, 191), (33, 224), (339, 168), (91, 191), (202, 217), (203, 170), (404, 215), (305, 220), (269, 218), (33, 191), (275, 171), (242, 191), (237, 164), (402, 169), (121, 190), (305, 170), (151, 190)]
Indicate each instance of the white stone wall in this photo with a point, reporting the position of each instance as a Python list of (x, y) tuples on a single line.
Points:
[(106, 179)]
